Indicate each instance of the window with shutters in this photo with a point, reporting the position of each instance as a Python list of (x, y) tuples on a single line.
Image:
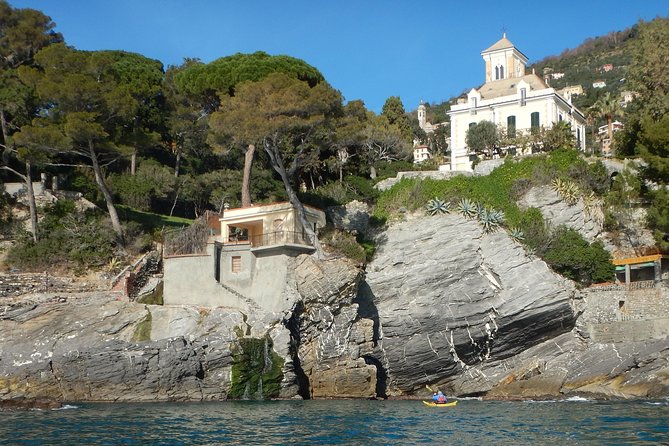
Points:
[(511, 126), (534, 119), (236, 264)]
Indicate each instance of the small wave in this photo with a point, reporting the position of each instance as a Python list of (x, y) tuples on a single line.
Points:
[(541, 401), (577, 399), (657, 403), (66, 407)]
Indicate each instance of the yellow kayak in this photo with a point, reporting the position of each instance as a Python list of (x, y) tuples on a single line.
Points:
[(433, 404)]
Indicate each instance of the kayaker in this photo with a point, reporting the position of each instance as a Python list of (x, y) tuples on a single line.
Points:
[(441, 398), (435, 397)]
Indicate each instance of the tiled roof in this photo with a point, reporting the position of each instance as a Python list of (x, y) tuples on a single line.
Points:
[(507, 87), (501, 44)]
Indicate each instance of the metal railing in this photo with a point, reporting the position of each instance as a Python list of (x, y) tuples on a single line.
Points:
[(280, 238)]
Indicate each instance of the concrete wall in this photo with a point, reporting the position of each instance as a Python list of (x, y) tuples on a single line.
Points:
[(189, 280), (260, 284), (617, 315), (630, 331)]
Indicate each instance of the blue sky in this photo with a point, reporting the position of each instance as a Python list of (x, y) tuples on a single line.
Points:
[(367, 49)]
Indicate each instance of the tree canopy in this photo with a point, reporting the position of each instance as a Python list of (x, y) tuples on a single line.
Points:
[(482, 137), (222, 75)]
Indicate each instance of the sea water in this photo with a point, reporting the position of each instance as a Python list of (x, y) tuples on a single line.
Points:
[(343, 422)]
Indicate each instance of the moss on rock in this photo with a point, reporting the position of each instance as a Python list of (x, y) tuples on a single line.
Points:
[(257, 370)]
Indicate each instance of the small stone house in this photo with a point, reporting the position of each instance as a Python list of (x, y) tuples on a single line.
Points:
[(248, 265)]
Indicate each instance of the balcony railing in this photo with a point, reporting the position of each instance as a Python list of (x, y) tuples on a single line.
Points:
[(273, 238)]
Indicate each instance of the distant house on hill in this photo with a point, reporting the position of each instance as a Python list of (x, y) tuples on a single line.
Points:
[(603, 134), (627, 96), (599, 84), (512, 99), (571, 90), (246, 264), (607, 67), (421, 153)]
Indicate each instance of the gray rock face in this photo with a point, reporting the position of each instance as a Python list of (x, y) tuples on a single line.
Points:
[(353, 217), (558, 212), (473, 313), (84, 349), (442, 304), (449, 298)]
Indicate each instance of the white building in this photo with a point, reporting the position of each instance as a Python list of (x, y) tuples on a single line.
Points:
[(421, 153), (570, 91), (512, 99)]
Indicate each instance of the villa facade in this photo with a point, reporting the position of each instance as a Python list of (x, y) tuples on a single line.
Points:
[(247, 265), (510, 98)]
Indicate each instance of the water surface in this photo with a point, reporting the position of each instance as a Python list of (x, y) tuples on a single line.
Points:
[(343, 422)]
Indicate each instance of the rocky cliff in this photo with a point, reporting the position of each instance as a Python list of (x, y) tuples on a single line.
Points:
[(442, 304)]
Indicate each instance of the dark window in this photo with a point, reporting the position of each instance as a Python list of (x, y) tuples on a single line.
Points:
[(523, 96), (534, 119), (496, 73), (217, 263), (501, 72), (511, 126)]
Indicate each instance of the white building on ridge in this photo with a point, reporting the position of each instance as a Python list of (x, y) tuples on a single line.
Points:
[(512, 99)]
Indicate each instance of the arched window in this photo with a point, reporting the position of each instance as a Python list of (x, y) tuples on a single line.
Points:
[(501, 72), (496, 73)]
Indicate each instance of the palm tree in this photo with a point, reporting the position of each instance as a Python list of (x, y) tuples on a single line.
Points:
[(608, 107), (591, 117)]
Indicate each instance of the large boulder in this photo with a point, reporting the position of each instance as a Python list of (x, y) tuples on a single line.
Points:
[(450, 297)]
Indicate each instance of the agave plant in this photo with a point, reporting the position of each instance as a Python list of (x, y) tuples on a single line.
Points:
[(467, 208), (497, 216), (491, 219), (568, 190), (438, 206), (517, 234), (557, 184), (479, 209), (592, 205)]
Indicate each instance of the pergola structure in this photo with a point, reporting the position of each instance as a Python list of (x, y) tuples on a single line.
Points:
[(641, 272)]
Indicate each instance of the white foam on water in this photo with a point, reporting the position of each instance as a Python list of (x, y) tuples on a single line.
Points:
[(66, 407)]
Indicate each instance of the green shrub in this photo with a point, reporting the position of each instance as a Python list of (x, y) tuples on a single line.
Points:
[(344, 244), (363, 188), (389, 170), (657, 217), (572, 256), (67, 240)]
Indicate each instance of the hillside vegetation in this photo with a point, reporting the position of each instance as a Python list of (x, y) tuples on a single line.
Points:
[(154, 147)]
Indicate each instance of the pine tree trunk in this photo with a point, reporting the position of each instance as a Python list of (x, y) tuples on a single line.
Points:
[(3, 125), (277, 163), (99, 179), (246, 180), (133, 162), (31, 202), (177, 164)]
